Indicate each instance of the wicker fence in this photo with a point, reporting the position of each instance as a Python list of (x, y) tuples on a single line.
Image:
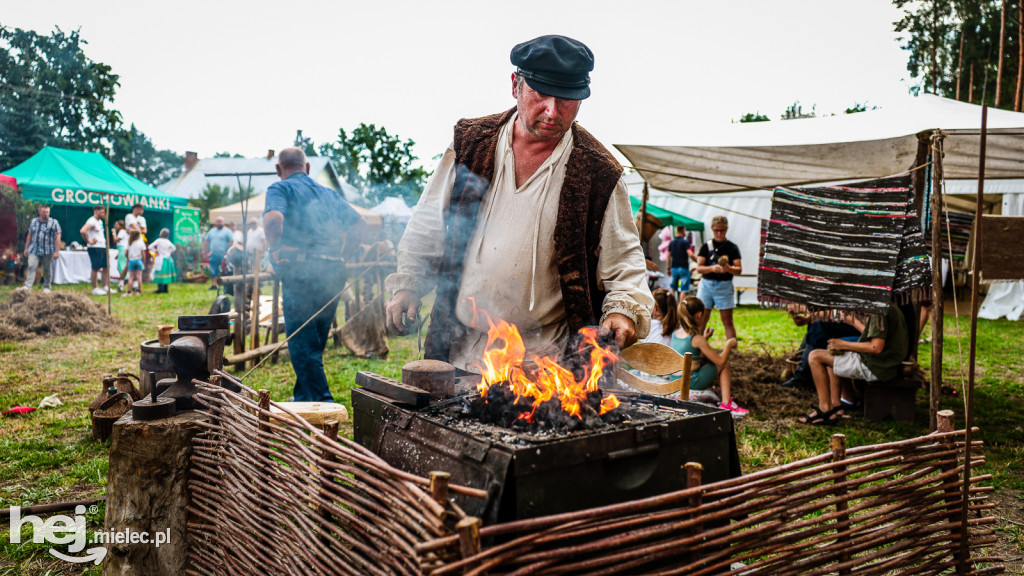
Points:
[(887, 509), (274, 495)]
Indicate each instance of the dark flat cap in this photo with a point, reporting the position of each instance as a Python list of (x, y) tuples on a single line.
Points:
[(556, 66)]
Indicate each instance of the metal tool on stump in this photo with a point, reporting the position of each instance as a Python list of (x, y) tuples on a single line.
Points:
[(195, 351)]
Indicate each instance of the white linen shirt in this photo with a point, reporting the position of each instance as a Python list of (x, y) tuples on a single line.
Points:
[(509, 269)]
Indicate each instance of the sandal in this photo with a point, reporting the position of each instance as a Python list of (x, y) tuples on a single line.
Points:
[(818, 418)]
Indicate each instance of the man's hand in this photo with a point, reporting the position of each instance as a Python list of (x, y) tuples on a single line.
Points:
[(836, 345), (405, 306), (56, 254), (278, 258), (622, 327)]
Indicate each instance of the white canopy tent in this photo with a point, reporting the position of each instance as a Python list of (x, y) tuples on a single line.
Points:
[(394, 208), (233, 212), (733, 171)]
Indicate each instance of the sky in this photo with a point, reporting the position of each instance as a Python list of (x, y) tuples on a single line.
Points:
[(242, 77)]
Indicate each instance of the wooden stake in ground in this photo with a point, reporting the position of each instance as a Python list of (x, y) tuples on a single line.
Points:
[(935, 381), (255, 317), (965, 552)]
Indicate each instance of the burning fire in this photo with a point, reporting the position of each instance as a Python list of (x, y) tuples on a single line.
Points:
[(503, 364)]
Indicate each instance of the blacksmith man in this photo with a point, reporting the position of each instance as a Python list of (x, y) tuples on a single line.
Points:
[(527, 218)]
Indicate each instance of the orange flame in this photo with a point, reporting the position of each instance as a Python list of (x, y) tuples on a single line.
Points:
[(503, 364)]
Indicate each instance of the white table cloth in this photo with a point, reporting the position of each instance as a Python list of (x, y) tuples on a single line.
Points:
[(73, 266)]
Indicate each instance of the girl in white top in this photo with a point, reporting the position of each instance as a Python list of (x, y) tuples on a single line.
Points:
[(163, 267), (135, 264), (664, 319), (121, 242)]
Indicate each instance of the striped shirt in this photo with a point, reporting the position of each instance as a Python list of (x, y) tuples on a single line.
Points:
[(44, 236)]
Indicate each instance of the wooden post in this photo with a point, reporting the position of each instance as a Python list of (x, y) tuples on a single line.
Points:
[(275, 316), (439, 486), (945, 424), (331, 431), (255, 312), (964, 557), (642, 215), (684, 388), (839, 476), (239, 336), (469, 538), (694, 471), (935, 381)]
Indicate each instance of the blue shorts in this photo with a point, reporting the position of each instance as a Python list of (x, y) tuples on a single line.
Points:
[(135, 265), (97, 258), (680, 280), (215, 264), (717, 294)]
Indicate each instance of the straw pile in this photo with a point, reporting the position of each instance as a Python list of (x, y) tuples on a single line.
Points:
[(30, 314)]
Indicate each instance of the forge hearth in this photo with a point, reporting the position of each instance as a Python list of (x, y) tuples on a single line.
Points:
[(538, 472)]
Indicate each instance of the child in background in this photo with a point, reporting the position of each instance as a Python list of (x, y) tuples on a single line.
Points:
[(664, 319), (707, 363), (135, 263), (121, 240)]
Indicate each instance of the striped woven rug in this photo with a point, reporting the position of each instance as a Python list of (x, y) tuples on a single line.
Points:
[(843, 248)]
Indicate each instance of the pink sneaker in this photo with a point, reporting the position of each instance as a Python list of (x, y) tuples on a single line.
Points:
[(733, 407)]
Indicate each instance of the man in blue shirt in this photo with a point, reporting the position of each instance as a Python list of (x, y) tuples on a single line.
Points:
[(217, 242), (310, 230), (680, 252)]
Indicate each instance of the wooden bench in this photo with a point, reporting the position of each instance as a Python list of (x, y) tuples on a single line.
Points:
[(741, 289), (890, 399)]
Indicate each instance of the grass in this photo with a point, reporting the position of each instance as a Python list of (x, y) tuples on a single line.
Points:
[(50, 456)]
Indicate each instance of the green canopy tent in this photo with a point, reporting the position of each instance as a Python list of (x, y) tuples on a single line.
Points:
[(667, 218), (77, 181)]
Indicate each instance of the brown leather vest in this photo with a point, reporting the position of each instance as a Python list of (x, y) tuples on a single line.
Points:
[(590, 178)]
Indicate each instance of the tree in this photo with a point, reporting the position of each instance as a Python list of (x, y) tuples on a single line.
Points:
[(227, 155), (213, 196), (953, 48), (754, 117), (305, 144), (379, 163), (858, 107), (134, 153), (52, 94)]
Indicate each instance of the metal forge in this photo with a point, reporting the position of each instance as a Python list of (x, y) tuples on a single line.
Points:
[(529, 474)]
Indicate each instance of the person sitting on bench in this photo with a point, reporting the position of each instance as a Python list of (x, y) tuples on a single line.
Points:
[(877, 356), (819, 332)]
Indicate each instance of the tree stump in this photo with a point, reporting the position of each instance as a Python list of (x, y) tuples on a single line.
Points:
[(147, 492)]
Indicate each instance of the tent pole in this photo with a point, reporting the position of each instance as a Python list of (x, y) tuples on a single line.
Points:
[(106, 242), (935, 382), (642, 214)]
